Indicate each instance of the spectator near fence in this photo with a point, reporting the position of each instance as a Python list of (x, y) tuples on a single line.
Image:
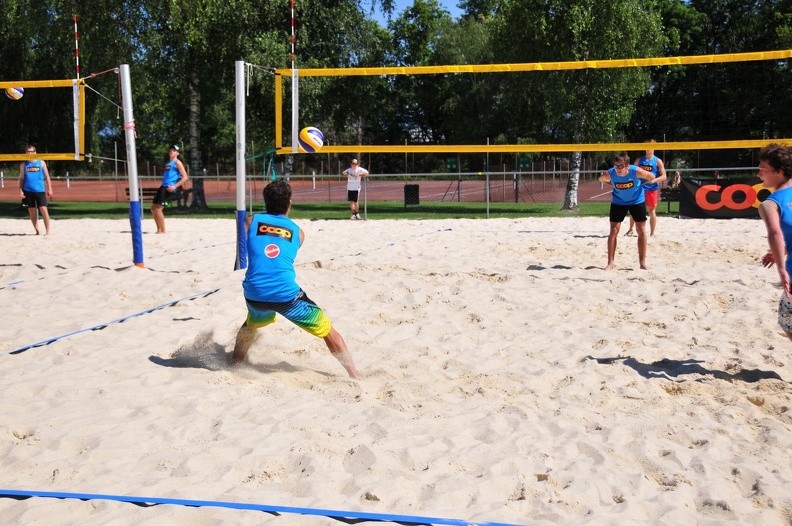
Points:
[(676, 181), (354, 174)]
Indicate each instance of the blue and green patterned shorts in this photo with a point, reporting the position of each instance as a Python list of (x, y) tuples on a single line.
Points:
[(785, 313), (301, 311)]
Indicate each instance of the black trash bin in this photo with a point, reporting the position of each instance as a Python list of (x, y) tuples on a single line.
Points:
[(411, 195)]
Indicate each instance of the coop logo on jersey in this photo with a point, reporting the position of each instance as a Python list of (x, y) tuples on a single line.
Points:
[(272, 251), (33, 168), (647, 167), (624, 186), (270, 230)]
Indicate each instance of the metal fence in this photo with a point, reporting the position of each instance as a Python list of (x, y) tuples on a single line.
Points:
[(427, 192)]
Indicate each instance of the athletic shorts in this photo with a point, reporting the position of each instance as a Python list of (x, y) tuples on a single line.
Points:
[(651, 198), (301, 311), (619, 212), (352, 195), (35, 199), (785, 313), (163, 197)]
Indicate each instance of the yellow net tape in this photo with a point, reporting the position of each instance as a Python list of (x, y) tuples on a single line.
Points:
[(544, 66), (542, 148)]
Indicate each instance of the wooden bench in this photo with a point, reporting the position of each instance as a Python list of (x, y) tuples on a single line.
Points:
[(181, 196)]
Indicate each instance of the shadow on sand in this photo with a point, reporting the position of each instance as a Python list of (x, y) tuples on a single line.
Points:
[(671, 369)]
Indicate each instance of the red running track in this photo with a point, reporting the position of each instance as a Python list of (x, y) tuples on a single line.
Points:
[(334, 190)]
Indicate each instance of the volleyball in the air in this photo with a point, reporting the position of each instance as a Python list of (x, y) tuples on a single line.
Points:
[(15, 93), (311, 139)]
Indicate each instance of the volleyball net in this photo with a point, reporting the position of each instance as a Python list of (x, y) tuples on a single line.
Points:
[(27, 117), (296, 75)]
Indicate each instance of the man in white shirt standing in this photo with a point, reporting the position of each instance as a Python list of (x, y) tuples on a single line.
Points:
[(354, 174)]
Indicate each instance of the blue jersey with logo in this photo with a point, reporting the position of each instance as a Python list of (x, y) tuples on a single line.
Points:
[(627, 190), (783, 198), (171, 175), (34, 177), (272, 245), (650, 165)]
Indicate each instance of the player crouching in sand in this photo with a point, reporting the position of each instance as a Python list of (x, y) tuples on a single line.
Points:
[(270, 281)]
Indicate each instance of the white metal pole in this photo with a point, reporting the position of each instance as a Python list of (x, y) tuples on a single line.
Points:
[(241, 255), (129, 133)]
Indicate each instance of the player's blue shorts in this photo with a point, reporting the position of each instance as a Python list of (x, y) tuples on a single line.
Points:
[(301, 311)]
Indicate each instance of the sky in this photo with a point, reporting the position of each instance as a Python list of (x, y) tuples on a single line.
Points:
[(401, 5)]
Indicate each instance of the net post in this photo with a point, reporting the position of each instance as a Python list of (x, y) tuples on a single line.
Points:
[(241, 255), (295, 110), (134, 201)]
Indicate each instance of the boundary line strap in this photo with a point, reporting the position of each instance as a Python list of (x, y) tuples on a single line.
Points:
[(341, 515), (103, 325)]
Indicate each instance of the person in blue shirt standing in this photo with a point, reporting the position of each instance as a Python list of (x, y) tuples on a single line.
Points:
[(628, 197), (35, 187), (174, 177), (270, 285), (651, 163), (775, 171)]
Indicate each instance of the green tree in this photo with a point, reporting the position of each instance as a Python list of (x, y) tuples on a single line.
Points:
[(416, 34), (478, 9), (590, 105), (468, 107)]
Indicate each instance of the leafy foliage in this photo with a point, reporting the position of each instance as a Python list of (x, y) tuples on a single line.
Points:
[(181, 55)]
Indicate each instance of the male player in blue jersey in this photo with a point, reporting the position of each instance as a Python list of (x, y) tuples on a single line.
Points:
[(651, 163), (35, 187), (775, 171), (270, 284), (174, 176), (628, 197)]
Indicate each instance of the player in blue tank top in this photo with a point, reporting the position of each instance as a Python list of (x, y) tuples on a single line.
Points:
[(173, 178), (35, 187), (270, 284), (775, 171), (628, 197), (651, 163)]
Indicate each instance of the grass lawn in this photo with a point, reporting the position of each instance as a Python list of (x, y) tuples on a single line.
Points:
[(334, 210)]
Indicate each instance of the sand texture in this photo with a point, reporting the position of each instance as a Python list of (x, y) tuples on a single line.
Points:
[(507, 376)]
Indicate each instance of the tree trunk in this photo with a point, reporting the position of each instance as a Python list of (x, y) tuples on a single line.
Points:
[(196, 168), (571, 196)]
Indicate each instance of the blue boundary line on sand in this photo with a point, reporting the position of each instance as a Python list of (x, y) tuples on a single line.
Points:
[(103, 325), (174, 302), (121, 320), (341, 515)]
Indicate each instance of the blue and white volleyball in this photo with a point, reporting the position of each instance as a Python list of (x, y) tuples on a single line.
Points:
[(15, 93), (311, 139)]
